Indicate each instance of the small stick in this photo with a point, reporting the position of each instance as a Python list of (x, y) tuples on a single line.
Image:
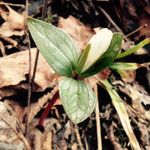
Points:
[(138, 29), (44, 10), (31, 78), (11, 4), (112, 22), (29, 83), (78, 137), (98, 124)]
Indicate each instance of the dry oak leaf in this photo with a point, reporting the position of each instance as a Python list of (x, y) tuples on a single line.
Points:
[(15, 67), (14, 22), (7, 135), (77, 30)]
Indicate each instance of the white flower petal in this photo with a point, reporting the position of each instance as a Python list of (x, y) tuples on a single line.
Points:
[(99, 44)]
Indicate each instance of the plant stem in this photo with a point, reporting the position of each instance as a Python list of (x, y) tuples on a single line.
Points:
[(134, 48), (47, 109), (98, 124)]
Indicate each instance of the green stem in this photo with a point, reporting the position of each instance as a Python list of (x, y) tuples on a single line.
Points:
[(134, 48)]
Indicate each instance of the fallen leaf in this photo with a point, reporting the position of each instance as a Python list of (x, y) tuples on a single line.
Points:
[(15, 67), (145, 21), (127, 76), (77, 30), (9, 126), (36, 107), (14, 22)]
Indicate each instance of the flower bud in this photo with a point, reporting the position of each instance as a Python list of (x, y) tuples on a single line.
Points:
[(99, 44)]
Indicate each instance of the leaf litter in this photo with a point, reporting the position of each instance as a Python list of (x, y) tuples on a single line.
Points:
[(57, 132)]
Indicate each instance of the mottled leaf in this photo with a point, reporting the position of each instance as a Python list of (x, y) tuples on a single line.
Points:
[(77, 98), (55, 45)]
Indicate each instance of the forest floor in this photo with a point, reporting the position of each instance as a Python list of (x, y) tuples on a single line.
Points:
[(80, 19)]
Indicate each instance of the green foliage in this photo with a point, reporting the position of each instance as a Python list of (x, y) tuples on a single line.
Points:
[(124, 66), (134, 48), (82, 58), (56, 47), (62, 55), (77, 98), (107, 58), (122, 113)]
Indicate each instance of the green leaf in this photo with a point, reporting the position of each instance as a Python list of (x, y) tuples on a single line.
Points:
[(122, 113), (107, 58), (78, 99), (55, 45), (124, 66), (133, 49), (82, 58)]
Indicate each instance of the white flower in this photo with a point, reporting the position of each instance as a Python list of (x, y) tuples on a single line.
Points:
[(99, 44)]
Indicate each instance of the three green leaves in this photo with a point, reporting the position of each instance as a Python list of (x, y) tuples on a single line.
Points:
[(61, 53)]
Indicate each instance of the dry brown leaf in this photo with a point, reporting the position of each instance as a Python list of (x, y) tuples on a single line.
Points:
[(77, 30), (36, 107), (47, 141), (127, 76), (15, 67), (14, 22), (137, 93), (144, 20), (2, 48), (18, 110), (9, 127)]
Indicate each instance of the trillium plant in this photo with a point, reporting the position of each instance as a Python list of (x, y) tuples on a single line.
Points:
[(74, 66)]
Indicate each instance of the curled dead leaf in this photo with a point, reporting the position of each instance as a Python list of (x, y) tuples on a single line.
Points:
[(14, 22)]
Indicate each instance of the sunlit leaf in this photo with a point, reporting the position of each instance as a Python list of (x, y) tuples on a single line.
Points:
[(122, 113), (55, 45), (82, 58), (124, 66), (78, 99), (107, 58), (134, 48)]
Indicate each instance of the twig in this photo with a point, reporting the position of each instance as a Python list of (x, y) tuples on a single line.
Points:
[(11, 4), (138, 29), (112, 22), (31, 77), (98, 124), (37, 53), (21, 137), (30, 83), (86, 144), (78, 137), (110, 19)]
